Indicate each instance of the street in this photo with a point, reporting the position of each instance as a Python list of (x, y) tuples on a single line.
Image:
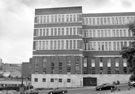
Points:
[(90, 90)]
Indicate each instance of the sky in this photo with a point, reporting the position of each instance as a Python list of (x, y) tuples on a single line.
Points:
[(17, 22)]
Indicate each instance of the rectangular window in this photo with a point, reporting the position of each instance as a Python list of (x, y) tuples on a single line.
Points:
[(124, 63), (93, 70), (67, 17), (52, 20), (116, 70), (110, 46), (67, 44), (36, 80), (60, 80), (114, 45), (34, 45), (51, 80), (101, 64), (85, 62), (52, 68), (109, 70), (125, 70), (101, 59), (35, 32), (68, 80), (44, 80), (68, 69), (92, 62), (60, 67), (101, 70), (116, 62), (71, 44)]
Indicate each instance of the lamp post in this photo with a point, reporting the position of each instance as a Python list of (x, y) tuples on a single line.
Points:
[(22, 86)]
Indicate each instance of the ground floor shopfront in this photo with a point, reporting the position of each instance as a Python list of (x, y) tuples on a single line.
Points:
[(70, 80)]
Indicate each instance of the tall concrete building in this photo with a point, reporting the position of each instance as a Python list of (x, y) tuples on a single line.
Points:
[(67, 41)]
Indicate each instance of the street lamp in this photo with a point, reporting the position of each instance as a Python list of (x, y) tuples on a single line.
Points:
[(22, 86)]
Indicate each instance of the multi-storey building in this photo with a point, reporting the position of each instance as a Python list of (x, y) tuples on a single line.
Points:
[(66, 41), (57, 47)]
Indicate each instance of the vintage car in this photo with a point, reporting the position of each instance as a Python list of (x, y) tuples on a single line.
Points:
[(57, 91), (131, 83), (105, 86)]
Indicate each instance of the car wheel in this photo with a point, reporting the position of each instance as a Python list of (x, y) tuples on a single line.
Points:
[(100, 89), (63, 92), (111, 88), (51, 93)]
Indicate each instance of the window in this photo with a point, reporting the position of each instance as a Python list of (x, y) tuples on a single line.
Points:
[(37, 19), (101, 64), (85, 62), (125, 70), (101, 70), (92, 62), (60, 64), (124, 63), (124, 66), (116, 70), (77, 68), (51, 80), (69, 69), (36, 80), (44, 80), (108, 62), (101, 59), (109, 70), (60, 67), (116, 62), (52, 68), (68, 80), (93, 70), (60, 80), (44, 70)]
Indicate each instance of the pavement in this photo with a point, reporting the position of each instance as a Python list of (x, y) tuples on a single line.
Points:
[(132, 91)]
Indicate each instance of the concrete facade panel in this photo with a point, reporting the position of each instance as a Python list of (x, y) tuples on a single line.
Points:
[(56, 52), (63, 10)]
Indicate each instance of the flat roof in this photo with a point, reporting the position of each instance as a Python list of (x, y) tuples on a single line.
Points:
[(58, 10), (109, 14)]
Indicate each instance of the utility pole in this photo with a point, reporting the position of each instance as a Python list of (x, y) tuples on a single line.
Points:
[(22, 86)]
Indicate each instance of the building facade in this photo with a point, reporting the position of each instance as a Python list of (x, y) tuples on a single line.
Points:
[(104, 36), (66, 41), (57, 46)]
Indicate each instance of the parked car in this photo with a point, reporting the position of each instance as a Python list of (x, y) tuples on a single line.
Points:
[(105, 86), (132, 83), (58, 91)]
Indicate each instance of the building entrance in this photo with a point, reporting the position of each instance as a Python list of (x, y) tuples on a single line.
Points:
[(89, 81)]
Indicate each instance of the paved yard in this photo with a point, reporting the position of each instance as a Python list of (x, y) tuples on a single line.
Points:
[(132, 91)]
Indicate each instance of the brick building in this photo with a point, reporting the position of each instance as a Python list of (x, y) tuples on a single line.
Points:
[(67, 41)]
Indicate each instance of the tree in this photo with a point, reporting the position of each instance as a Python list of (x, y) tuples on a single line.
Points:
[(129, 52)]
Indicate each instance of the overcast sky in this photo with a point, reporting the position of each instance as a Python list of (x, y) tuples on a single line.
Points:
[(17, 22)]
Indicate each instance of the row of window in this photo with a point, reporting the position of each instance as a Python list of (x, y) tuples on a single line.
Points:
[(60, 67), (93, 62), (53, 80), (57, 18), (57, 31), (113, 20), (92, 33), (108, 71), (106, 45), (56, 44)]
